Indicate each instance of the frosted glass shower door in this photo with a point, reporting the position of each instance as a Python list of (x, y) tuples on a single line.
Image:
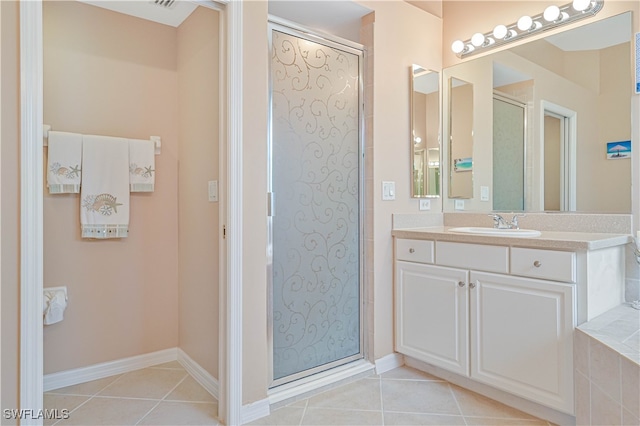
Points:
[(315, 225)]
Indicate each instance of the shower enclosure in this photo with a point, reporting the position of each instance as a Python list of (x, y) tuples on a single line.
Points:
[(315, 204)]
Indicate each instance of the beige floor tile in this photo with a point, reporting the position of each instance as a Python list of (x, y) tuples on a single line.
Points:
[(182, 413), (330, 416), (360, 395), (62, 404), (146, 383), (190, 390), (418, 397), (282, 416), (171, 365), (109, 411), (88, 388), (488, 421), (408, 419), (408, 373), (475, 405)]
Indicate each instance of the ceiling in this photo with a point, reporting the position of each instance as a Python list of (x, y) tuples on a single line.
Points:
[(596, 35), (147, 9)]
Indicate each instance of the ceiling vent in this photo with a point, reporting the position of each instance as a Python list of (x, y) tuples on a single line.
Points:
[(167, 4)]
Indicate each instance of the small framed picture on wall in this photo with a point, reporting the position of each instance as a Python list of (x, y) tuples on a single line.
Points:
[(618, 150)]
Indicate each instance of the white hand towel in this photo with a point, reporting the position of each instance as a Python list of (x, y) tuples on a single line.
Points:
[(63, 166), (142, 163), (104, 210)]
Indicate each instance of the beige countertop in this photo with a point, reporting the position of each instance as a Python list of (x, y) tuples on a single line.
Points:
[(547, 239)]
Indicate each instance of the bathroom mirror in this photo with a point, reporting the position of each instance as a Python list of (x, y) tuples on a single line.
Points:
[(546, 115), (425, 133), (460, 138)]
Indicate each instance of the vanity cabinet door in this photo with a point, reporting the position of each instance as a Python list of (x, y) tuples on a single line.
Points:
[(521, 337), (431, 312)]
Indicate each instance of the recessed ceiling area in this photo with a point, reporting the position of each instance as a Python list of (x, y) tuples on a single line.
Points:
[(173, 16)]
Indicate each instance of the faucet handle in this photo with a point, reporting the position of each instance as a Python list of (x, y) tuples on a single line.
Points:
[(514, 220)]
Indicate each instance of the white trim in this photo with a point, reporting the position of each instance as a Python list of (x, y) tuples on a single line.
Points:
[(255, 410), (317, 381), (200, 375), (31, 205), (389, 362), (232, 385), (106, 369), (569, 161)]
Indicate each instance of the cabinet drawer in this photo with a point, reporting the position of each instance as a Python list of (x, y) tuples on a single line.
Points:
[(548, 264), (414, 250), (473, 256)]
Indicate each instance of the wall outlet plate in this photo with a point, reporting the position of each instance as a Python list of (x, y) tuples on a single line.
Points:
[(458, 204), (425, 204)]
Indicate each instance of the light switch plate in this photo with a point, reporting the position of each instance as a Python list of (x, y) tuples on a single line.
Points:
[(388, 191), (425, 204), (458, 204), (213, 191), (484, 193)]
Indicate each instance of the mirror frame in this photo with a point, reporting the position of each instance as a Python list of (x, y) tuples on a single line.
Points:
[(412, 75)]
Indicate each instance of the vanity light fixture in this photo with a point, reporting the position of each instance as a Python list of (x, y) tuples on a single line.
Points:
[(553, 16)]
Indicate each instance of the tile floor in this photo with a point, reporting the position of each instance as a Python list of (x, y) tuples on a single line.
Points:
[(166, 395)]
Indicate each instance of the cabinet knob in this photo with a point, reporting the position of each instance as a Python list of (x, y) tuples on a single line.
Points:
[(472, 285), (411, 250), (537, 264), (461, 283)]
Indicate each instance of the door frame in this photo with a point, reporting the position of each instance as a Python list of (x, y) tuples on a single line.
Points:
[(31, 212), (568, 160)]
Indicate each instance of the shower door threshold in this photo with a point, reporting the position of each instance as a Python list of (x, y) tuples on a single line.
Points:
[(314, 383)]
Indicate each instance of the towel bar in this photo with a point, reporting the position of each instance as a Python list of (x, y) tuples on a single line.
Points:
[(45, 139)]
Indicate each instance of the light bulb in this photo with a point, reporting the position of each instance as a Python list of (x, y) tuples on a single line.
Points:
[(417, 139), (581, 5), (457, 46), (525, 23), (500, 32), (551, 13), (477, 39)]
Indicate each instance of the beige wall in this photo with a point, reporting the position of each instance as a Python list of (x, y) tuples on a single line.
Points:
[(119, 79), (255, 56), (403, 35), (10, 192), (198, 69)]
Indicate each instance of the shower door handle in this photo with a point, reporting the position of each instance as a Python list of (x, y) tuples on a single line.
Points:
[(270, 204)]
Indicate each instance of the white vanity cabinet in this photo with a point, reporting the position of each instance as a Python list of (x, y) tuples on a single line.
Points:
[(511, 332), (521, 334)]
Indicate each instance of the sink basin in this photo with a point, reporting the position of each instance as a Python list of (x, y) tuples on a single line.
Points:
[(520, 233)]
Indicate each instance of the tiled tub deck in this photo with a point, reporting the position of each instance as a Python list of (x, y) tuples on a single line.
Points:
[(607, 368)]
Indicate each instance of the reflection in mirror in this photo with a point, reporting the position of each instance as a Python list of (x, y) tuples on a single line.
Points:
[(460, 139), (425, 132), (575, 89), (509, 121)]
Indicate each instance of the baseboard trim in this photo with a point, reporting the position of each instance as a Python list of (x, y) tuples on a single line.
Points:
[(389, 362), (201, 375), (105, 369), (255, 410)]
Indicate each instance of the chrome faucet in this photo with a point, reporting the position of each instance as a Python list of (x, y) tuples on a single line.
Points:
[(500, 223)]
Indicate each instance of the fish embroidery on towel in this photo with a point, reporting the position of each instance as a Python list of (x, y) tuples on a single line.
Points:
[(105, 204), (145, 172), (68, 172)]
